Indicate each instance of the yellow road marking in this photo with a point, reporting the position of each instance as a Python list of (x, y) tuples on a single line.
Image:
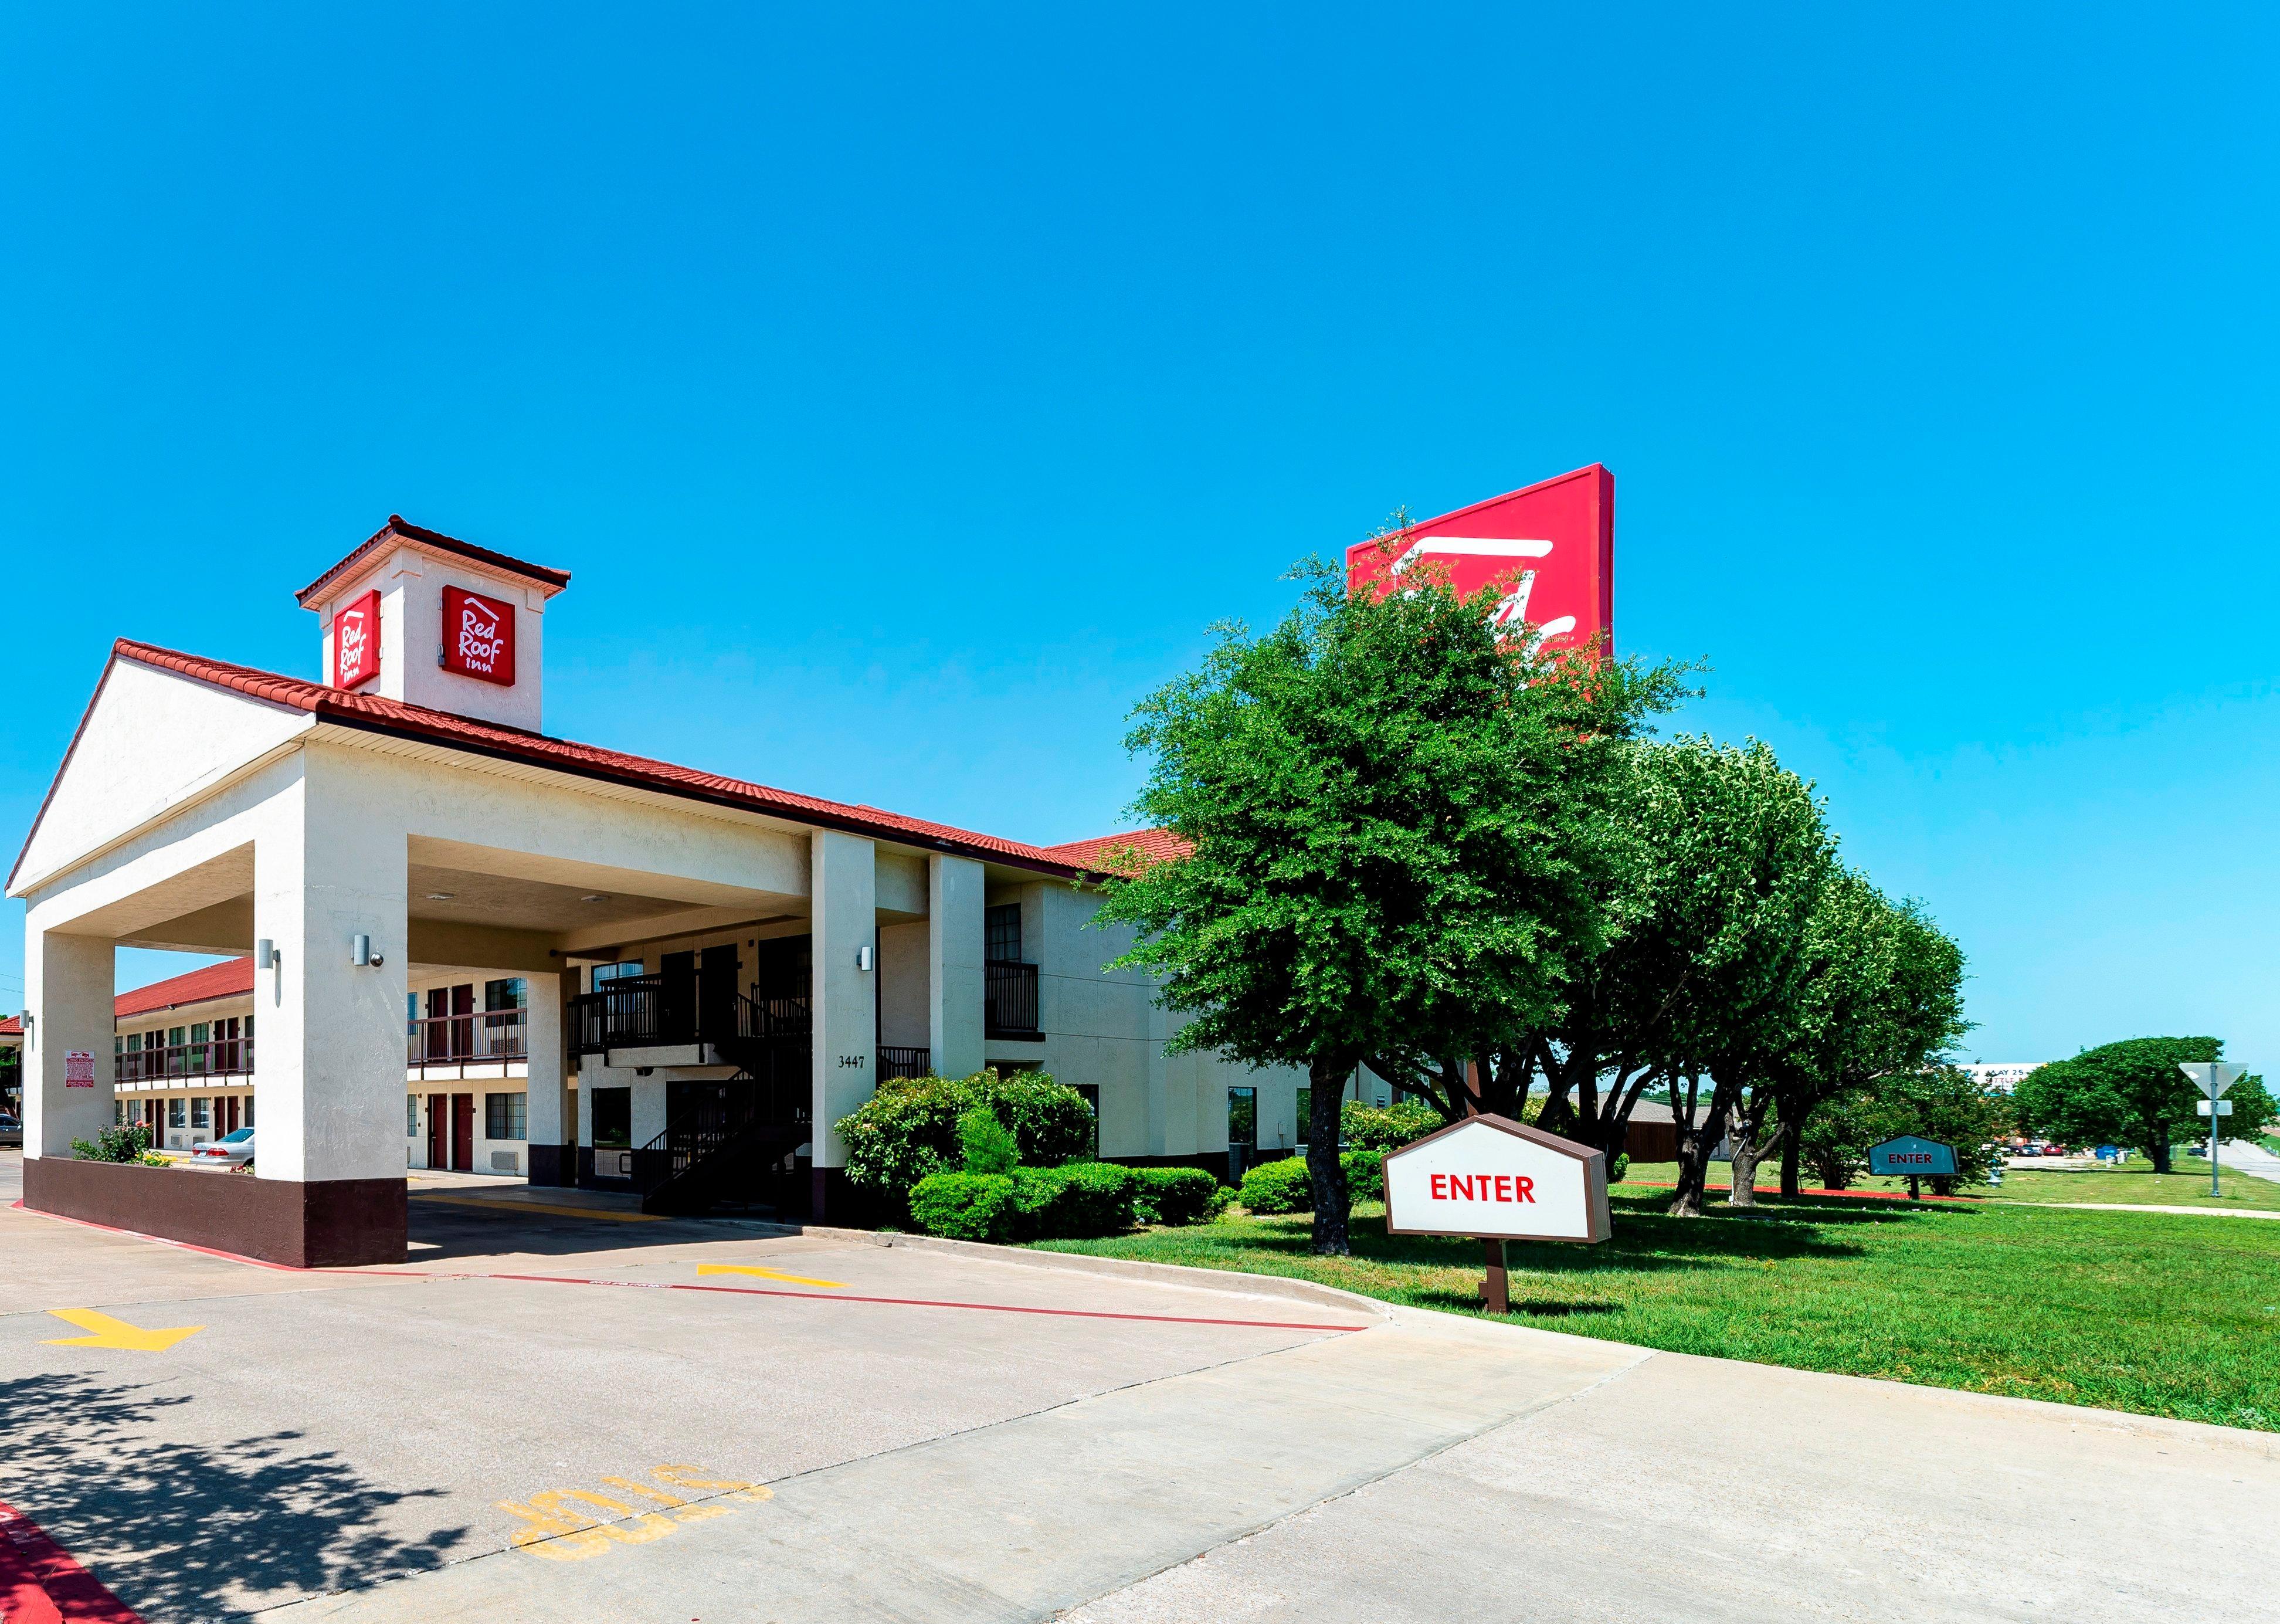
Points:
[(603, 1213), (110, 1332), (748, 1268)]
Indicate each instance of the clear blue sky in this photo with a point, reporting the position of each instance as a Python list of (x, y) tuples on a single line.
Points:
[(909, 389)]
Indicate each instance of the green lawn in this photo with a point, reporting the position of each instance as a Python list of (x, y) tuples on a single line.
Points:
[(2165, 1315), (2134, 1183)]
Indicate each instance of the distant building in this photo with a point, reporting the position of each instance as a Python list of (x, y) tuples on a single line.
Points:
[(2000, 1077)]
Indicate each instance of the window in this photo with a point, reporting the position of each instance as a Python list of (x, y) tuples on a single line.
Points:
[(1002, 926), (118, 1112), (411, 1116), (1242, 1116), (513, 993), (610, 972), (248, 1098), (202, 1112), (505, 1116), (613, 1119), (175, 1112), (1305, 1114)]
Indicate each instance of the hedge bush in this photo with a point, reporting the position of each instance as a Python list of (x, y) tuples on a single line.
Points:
[(1386, 1127), (1178, 1195), (908, 1130), (964, 1206), (1288, 1185), (1075, 1202)]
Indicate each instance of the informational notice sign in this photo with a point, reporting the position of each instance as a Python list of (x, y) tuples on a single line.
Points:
[(1551, 547), (356, 642), (479, 637), (1911, 1158), (1499, 1180), (79, 1068)]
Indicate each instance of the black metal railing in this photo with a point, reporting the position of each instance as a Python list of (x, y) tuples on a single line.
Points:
[(640, 1011), (724, 1146), (491, 1035), (227, 1057), (1009, 999), (895, 1063)]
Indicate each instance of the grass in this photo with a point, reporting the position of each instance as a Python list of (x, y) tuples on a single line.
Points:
[(2160, 1314), (2133, 1183)]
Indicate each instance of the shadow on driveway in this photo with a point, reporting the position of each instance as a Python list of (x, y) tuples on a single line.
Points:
[(184, 1531)]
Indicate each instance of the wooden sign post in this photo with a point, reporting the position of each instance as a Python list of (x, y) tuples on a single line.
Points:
[(1501, 1181)]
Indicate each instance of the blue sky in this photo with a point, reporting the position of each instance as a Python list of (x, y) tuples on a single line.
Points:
[(907, 390)]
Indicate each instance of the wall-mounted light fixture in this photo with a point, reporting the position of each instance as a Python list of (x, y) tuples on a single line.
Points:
[(863, 956), (361, 953), (264, 954)]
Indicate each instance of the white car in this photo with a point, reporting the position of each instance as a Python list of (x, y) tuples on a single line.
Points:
[(230, 1151)]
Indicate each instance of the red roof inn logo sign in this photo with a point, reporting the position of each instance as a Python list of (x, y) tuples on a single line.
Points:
[(356, 642), (478, 637), (1553, 544)]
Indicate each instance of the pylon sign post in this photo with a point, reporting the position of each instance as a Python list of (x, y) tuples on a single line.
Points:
[(2214, 1077)]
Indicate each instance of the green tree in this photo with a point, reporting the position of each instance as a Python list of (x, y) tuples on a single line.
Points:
[(1883, 996), (1938, 1102), (1388, 849), (2131, 1093)]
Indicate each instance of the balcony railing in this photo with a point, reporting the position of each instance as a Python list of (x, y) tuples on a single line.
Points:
[(229, 1057), (895, 1063), (641, 1012), (447, 1040), (1009, 999)]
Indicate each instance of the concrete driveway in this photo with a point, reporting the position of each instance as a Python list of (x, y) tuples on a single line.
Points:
[(559, 1412)]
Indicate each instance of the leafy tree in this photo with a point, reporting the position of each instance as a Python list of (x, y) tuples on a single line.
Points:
[(1883, 996), (2132, 1093), (1939, 1103), (1388, 850), (1725, 856)]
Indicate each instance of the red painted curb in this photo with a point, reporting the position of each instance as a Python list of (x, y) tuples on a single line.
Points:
[(66, 1589), (1842, 1194), (205, 1251), (920, 1302)]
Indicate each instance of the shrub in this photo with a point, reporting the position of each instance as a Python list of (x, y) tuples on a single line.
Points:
[(119, 1144), (909, 1129), (1098, 1199), (1280, 1186), (1176, 1195), (964, 1206), (1619, 1168), (1037, 1194), (1288, 1185), (1386, 1127), (988, 1142)]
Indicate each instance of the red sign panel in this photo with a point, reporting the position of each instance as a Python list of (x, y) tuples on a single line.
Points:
[(479, 637), (356, 642), (1552, 545)]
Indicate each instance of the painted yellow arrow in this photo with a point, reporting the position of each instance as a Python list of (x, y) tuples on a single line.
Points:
[(745, 1268), (110, 1332)]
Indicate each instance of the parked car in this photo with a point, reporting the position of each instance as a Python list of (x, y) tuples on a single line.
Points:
[(11, 1131), (2055, 1150), (230, 1151)]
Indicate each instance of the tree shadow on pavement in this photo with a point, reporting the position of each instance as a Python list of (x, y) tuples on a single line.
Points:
[(185, 1531)]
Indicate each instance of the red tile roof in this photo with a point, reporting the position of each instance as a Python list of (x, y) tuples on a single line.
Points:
[(373, 713), (397, 530), (231, 978), (1105, 853), (13, 1027)]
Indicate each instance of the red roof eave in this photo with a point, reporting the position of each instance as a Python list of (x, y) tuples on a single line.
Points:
[(372, 713)]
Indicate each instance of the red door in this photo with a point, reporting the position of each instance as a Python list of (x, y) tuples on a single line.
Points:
[(436, 1129), (226, 1108), (463, 1132)]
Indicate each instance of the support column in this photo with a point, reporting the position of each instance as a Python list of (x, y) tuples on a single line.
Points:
[(844, 921), (545, 1025), (67, 992), (330, 1062), (955, 948)]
